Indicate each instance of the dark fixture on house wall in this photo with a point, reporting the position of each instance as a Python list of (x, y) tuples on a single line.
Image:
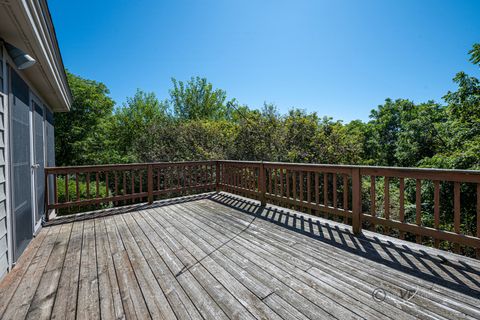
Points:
[(21, 59)]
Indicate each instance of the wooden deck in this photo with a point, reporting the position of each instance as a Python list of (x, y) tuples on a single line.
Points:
[(219, 256)]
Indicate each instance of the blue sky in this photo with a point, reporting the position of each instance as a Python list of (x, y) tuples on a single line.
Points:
[(338, 58)]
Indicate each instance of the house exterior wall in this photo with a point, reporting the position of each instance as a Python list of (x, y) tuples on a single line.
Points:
[(4, 259), (26, 25), (8, 252), (3, 195)]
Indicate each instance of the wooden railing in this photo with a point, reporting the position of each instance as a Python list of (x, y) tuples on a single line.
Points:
[(114, 185), (441, 207)]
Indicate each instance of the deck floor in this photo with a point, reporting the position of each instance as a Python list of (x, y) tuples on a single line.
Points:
[(219, 256)]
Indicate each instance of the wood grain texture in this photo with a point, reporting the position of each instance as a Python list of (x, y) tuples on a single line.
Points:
[(226, 257)]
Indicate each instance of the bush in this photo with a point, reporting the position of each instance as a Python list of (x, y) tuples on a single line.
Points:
[(72, 195)]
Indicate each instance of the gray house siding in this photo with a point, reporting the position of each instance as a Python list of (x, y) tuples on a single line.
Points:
[(3, 198)]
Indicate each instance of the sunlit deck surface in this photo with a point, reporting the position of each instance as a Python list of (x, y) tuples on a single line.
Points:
[(219, 256)]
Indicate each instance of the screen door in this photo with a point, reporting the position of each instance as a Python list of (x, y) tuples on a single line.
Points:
[(21, 165), (39, 159)]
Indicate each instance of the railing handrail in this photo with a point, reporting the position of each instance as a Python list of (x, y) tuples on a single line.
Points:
[(353, 166), (99, 167), (460, 175), (349, 166)]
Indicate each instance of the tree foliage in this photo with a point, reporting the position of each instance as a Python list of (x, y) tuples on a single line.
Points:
[(81, 134)]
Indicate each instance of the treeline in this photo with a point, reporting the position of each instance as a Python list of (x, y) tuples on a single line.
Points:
[(198, 121)]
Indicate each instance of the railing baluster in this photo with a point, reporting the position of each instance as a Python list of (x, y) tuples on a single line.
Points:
[(317, 191), (55, 186), (373, 195), (386, 203), (270, 179), (47, 196), (66, 189), (436, 209), (456, 215), (184, 170), (77, 188), (116, 186), (281, 182), (309, 192), (97, 188), (140, 183), (418, 207), (294, 186), (107, 191), (124, 185), (205, 176), (275, 185), (401, 211), (244, 179), (345, 192), (211, 181), (195, 176), (478, 218), (300, 179), (191, 177), (87, 184), (234, 177), (356, 201), (325, 190), (150, 183), (132, 182), (287, 186), (217, 175), (262, 184), (334, 190), (179, 177)]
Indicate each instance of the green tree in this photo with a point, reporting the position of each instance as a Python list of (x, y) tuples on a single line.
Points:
[(260, 134), (461, 130), (196, 99), (336, 143), (301, 128), (419, 136), (79, 134), (134, 121)]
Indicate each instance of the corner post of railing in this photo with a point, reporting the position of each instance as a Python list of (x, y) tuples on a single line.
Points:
[(262, 186), (217, 176), (150, 183), (47, 196), (356, 201)]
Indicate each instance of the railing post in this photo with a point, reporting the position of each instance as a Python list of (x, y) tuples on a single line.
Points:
[(150, 183), (356, 201), (262, 186), (47, 196), (217, 176)]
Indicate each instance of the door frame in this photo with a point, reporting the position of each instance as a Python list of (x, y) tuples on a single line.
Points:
[(34, 99)]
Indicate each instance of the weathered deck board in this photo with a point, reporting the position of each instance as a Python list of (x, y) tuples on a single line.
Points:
[(224, 257), (326, 287)]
